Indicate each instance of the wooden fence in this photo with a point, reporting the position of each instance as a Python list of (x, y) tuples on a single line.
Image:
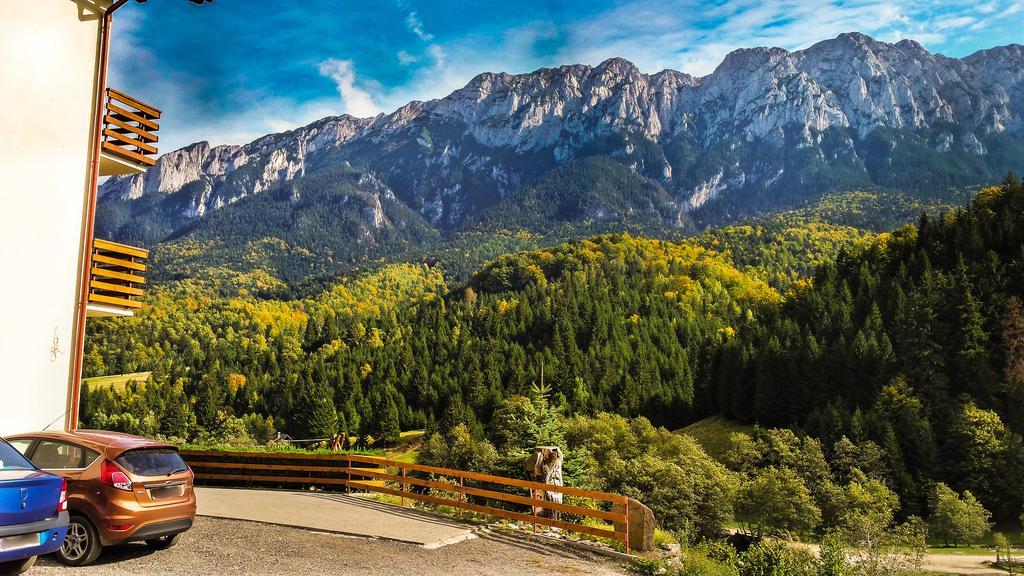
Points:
[(438, 486)]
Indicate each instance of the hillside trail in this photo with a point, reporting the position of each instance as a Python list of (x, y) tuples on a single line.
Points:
[(952, 564), (975, 565)]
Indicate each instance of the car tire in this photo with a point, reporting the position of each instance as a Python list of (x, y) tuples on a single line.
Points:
[(16, 567), (82, 545), (163, 542)]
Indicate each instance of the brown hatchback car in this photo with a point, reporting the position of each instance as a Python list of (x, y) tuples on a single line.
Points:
[(121, 488)]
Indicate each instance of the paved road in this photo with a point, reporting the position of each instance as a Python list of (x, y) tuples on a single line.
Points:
[(237, 548), (332, 512)]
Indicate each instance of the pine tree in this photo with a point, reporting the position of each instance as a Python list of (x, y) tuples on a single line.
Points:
[(1013, 344), (973, 365), (314, 414), (389, 429)]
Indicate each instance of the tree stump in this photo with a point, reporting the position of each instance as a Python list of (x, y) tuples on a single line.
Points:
[(545, 466)]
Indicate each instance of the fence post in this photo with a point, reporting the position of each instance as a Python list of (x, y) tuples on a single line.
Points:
[(626, 509), (462, 496), (348, 476), (404, 486), (534, 509)]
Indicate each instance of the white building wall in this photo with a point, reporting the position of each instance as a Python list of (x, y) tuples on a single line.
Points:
[(49, 50)]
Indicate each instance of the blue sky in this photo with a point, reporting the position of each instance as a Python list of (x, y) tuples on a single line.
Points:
[(234, 70)]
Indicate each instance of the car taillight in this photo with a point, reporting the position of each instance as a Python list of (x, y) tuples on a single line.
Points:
[(112, 476), (62, 505)]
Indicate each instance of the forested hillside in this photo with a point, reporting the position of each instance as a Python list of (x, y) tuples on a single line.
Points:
[(914, 342), (902, 352), (288, 259), (622, 324)]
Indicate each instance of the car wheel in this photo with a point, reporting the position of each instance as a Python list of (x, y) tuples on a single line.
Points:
[(16, 567), (82, 545), (163, 542)]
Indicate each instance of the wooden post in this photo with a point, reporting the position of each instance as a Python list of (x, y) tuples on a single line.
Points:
[(404, 487), (626, 508), (348, 476), (533, 511), (462, 496)]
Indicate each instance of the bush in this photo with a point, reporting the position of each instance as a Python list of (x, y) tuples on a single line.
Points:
[(957, 518), (260, 429), (147, 425), (645, 567), (896, 551), (226, 430), (777, 501), (1004, 551), (832, 558), (775, 558), (696, 564), (458, 449), (684, 487)]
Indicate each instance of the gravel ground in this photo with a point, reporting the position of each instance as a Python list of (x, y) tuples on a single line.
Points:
[(229, 547)]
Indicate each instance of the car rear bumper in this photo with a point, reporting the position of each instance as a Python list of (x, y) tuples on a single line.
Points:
[(147, 523), (51, 535), (159, 529)]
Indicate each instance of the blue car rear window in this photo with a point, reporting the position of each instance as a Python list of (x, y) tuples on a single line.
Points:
[(11, 459)]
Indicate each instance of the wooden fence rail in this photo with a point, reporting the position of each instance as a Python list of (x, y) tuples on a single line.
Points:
[(459, 489)]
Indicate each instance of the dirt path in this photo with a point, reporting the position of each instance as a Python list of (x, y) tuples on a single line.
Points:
[(973, 565), (954, 564)]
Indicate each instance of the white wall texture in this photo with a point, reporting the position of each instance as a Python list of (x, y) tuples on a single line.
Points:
[(49, 50)]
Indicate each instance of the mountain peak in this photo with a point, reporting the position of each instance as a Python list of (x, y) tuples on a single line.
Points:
[(856, 38), (766, 123), (619, 66)]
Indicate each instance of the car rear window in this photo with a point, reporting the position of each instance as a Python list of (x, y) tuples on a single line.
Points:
[(11, 459), (152, 462)]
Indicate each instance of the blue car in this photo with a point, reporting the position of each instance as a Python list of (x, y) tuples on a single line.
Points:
[(33, 512)]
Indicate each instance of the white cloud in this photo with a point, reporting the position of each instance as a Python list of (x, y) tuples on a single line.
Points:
[(416, 27), (953, 22), (681, 35), (438, 54), (405, 59), (358, 102)]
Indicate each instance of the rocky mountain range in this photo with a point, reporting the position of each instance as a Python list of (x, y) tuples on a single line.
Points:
[(768, 129)]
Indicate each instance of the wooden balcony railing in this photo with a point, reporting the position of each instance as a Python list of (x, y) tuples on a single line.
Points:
[(117, 277), (129, 129)]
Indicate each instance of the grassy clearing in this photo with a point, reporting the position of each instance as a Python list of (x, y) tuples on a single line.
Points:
[(713, 434), (962, 550), (1014, 535), (408, 447), (117, 381)]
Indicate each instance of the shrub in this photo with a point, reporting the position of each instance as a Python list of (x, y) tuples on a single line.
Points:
[(775, 558), (684, 487), (777, 501), (957, 518), (832, 558), (458, 449), (645, 567)]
